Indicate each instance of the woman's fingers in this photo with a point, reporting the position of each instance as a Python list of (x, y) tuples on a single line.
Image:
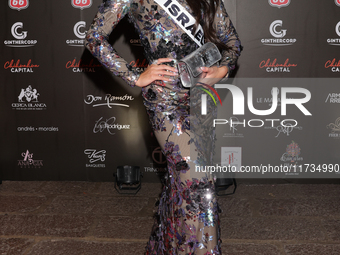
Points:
[(167, 68), (157, 71), (206, 69), (162, 72), (164, 60), (212, 75)]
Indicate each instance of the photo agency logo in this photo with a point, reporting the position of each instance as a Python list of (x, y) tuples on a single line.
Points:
[(80, 32), (18, 4), (109, 100), (17, 31), (335, 41), (28, 100), (28, 161), (285, 126), (289, 125), (81, 4), (278, 33), (335, 129), (206, 89), (95, 156), (279, 3)]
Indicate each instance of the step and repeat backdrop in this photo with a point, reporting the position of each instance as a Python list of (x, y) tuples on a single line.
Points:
[(65, 117)]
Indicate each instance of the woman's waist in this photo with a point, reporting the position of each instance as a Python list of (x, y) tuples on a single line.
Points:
[(160, 91)]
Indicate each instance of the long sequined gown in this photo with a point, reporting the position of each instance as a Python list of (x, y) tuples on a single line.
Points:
[(187, 218)]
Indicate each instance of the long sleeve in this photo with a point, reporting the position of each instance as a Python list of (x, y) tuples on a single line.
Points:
[(108, 16), (227, 34)]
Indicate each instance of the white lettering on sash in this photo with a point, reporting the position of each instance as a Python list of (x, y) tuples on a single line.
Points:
[(183, 18)]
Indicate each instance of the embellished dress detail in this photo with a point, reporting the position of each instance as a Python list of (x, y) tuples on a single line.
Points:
[(187, 220)]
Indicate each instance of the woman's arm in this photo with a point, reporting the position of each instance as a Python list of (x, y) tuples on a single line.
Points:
[(108, 16), (228, 36)]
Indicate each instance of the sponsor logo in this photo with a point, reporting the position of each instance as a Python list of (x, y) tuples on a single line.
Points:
[(140, 65), (81, 67), (109, 100), (279, 3), (273, 66), (337, 2), (335, 129), (335, 41), (333, 98), (29, 94), (333, 65), (278, 33), (28, 100), (135, 42), (153, 169), (18, 4), (17, 67), (28, 161), (109, 125), (285, 128), (233, 128), (158, 157), (37, 129), (292, 154), (19, 34), (231, 156), (95, 156), (81, 4), (80, 32)]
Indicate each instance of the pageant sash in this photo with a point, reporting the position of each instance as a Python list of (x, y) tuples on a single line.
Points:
[(183, 18)]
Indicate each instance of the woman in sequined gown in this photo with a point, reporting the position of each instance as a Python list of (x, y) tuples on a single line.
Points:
[(187, 218)]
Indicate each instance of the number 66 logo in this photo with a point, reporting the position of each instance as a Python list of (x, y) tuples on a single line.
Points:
[(18, 4), (81, 3), (279, 3)]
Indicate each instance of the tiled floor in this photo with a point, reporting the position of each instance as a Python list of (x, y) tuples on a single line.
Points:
[(69, 218)]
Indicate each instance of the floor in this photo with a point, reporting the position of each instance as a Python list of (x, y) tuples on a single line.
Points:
[(92, 218)]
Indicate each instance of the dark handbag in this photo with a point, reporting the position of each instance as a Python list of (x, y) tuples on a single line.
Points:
[(189, 67)]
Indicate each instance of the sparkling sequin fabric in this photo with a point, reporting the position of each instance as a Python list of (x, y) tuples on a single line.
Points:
[(187, 217)]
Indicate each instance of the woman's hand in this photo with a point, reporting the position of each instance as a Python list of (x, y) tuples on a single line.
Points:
[(156, 71), (214, 74)]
